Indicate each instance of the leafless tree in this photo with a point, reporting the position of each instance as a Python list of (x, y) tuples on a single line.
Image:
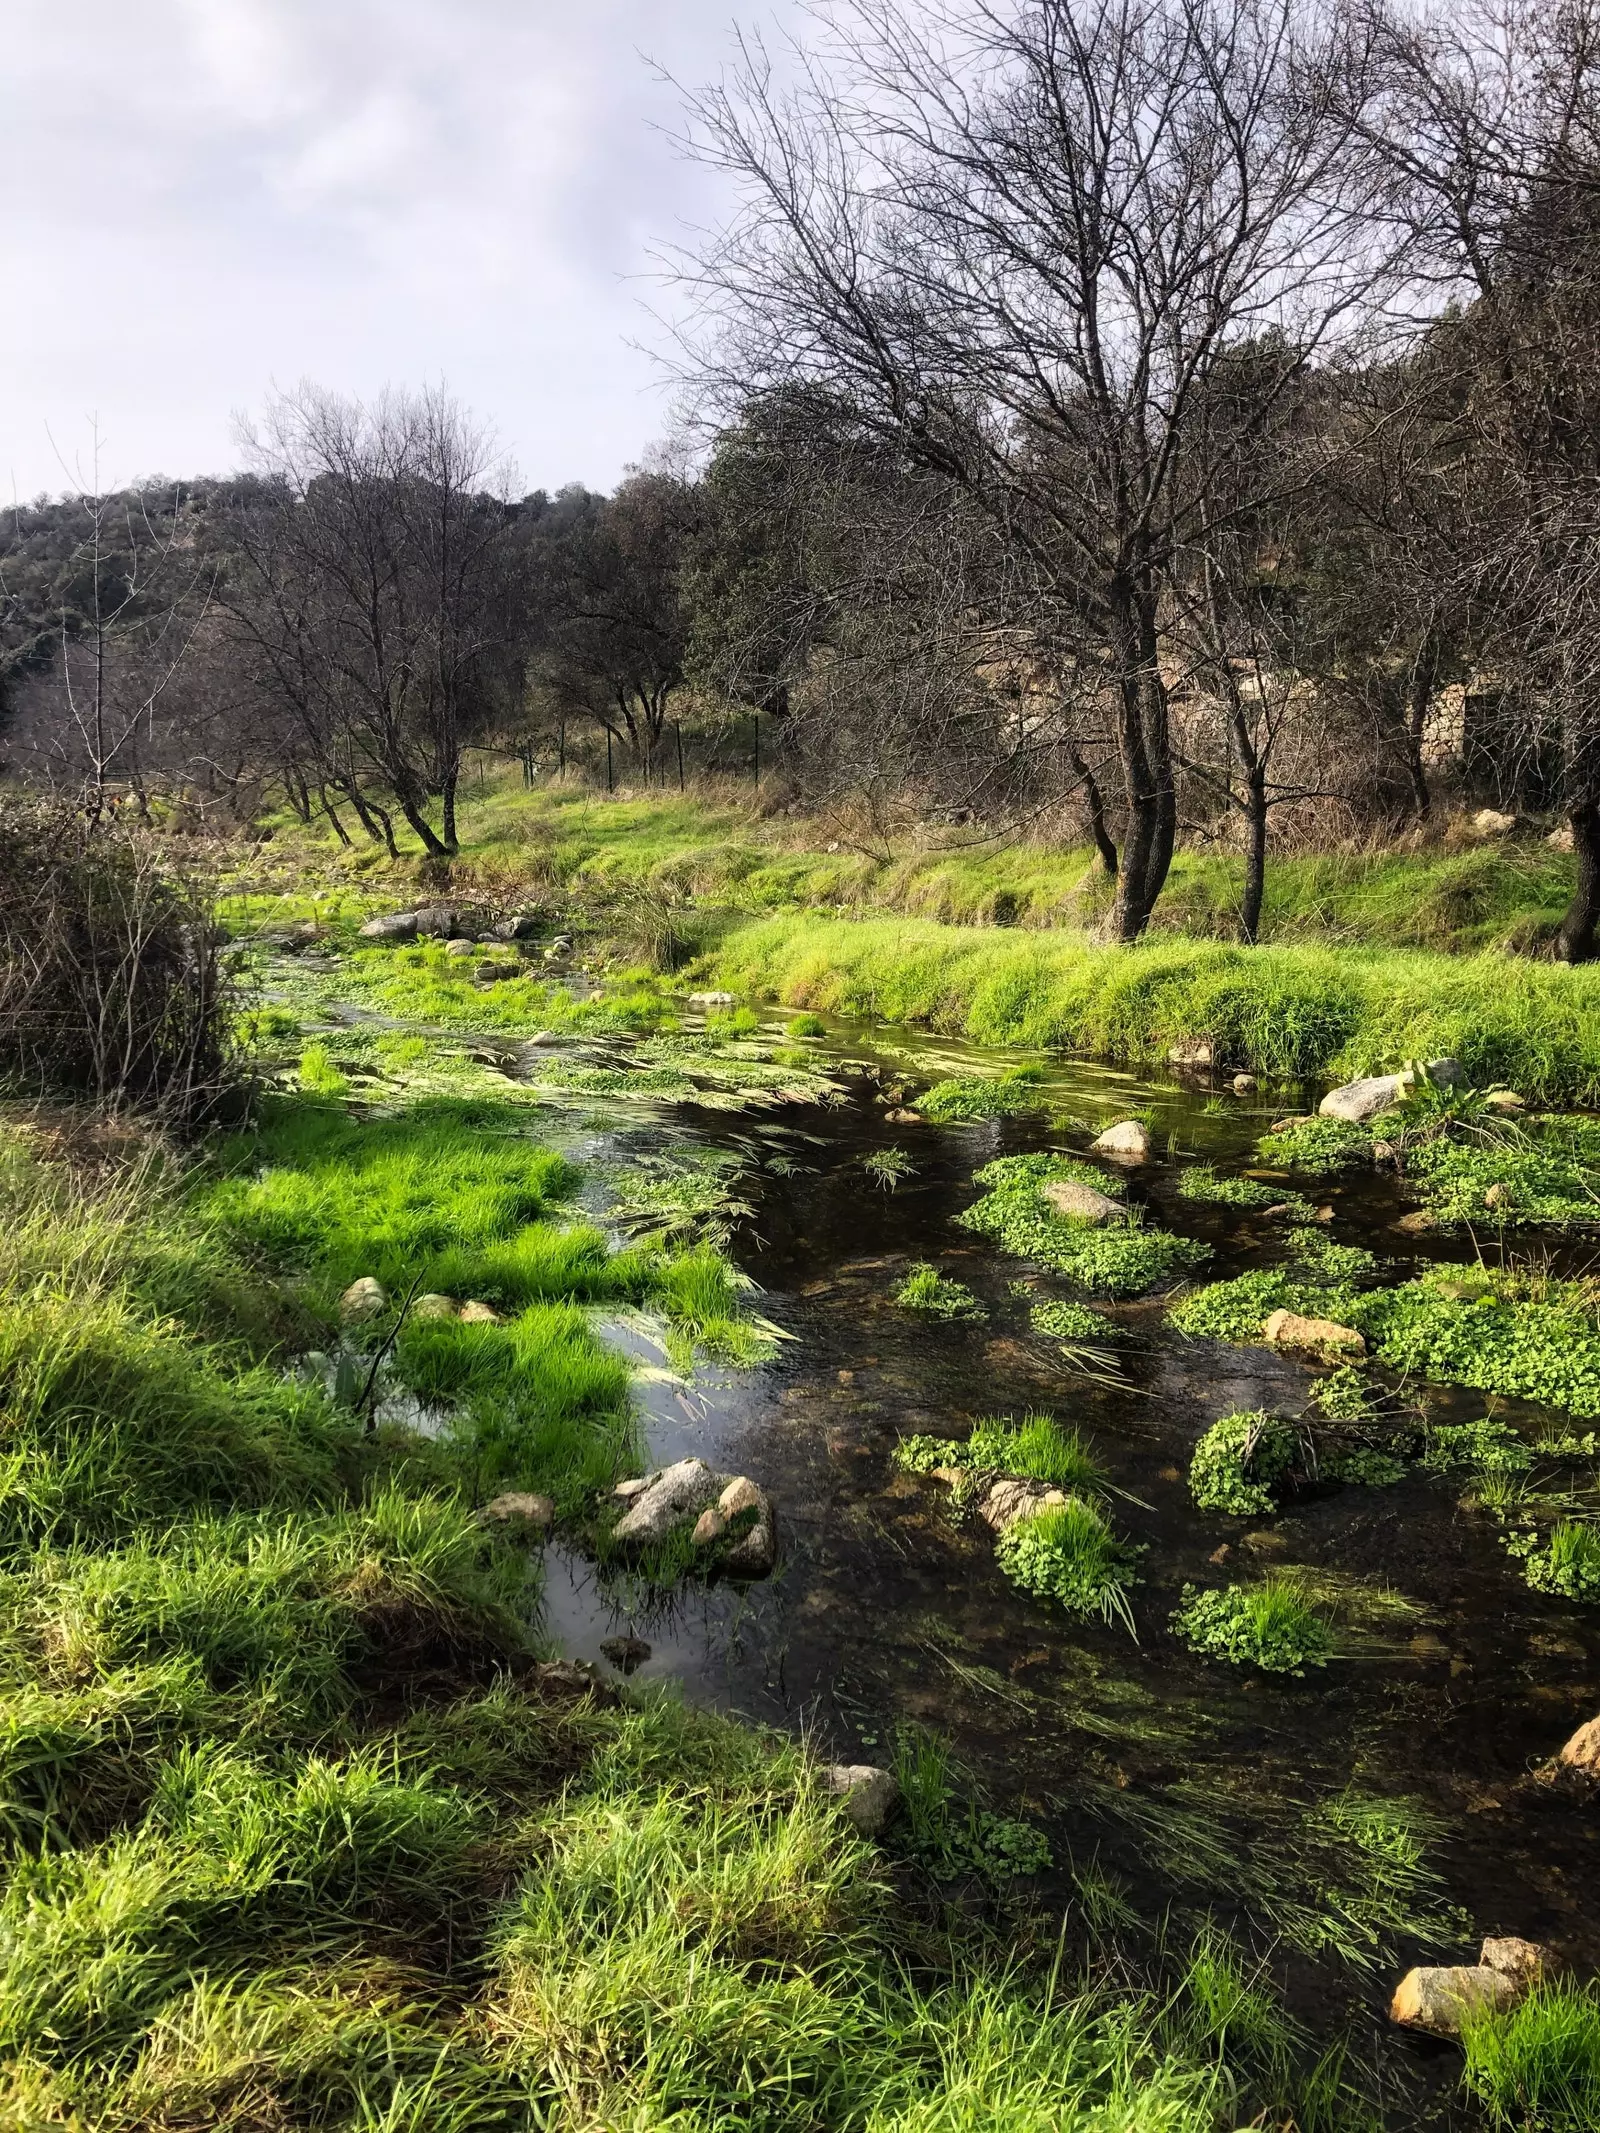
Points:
[(1018, 236)]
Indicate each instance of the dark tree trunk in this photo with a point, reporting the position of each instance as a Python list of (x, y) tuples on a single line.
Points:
[(1255, 863), (452, 843), (1419, 695), (1094, 800), (331, 812), (431, 842), (1575, 941)]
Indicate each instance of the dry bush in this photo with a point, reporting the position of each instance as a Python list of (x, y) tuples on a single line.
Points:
[(112, 982)]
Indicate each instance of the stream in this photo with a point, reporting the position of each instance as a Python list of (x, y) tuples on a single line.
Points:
[(1169, 1786)]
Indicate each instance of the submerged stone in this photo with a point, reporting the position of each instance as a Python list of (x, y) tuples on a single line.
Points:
[(1443, 2000), (1582, 1750), (867, 1795)]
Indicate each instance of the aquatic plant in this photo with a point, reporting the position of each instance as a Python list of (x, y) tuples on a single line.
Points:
[(1201, 1182), (1065, 1320), (318, 1075), (1238, 1462), (963, 1098), (1535, 2068), (947, 1827), (1118, 1259), (1067, 1553), (1272, 1625), (807, 1026), (1566, 1561), (888, 1167), (1542, 1173), (936, 1295), (1489, 1446), (1036, 1449), (1316, 1144), (1344, 1395), (1365, 1467)]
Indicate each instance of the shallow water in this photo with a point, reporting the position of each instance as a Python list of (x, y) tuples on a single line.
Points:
[(1167, 1784), (1188, 1781)]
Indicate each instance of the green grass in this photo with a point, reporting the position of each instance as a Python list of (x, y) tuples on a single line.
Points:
[(1119, 1259), (1274, 1625), (934, 1295), (1200, 1181), (1068, 1554), (1064, 1320), (1536, 2069), (972, 1097), (1566, 1561), (1036, 1449)]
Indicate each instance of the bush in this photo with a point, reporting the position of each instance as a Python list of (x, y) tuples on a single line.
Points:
[(111, 976), (1272, 1625), (935, 1295), (1067, 1553)]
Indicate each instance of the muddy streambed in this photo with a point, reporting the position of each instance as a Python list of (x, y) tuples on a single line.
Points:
[(1167, 1784)]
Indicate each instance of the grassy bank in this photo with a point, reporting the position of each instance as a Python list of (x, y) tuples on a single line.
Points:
[(722, 850), (298, 1829), (1276, 1011)]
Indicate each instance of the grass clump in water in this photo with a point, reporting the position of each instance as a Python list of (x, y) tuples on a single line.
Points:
[(1201, 1182), (1317, 1145), (1118, 1259), (1273, 1625), (1566, 1562), (888, 1167), (934, 1295), (1064, 1320), (1536, 2068), (1036, 1449), (965, 1098), (1542, 1174), (1067, 1553), (1239, 1463)]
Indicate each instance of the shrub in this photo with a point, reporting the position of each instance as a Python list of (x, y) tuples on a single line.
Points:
[(1568, 1562), (1272, 1625), (1238, 1462), (112, 982), (1067, 1553)]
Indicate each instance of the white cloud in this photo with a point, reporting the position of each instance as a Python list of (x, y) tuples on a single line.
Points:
[(218, 193)]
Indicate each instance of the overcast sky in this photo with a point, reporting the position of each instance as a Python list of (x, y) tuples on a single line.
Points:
[(207, 196)]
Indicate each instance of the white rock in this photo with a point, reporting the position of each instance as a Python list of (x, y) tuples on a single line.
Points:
[(1012, 1499), (478, 1314), (1129, 1138), (1360, 1100), (668, 1498), (363, 1299), (1505, 1100), (1560, 840), (868, 1795), (1443, 1999), (708, 1527), (435, 1306), (629, 1489), (1082, 1202), (1489, 822), (462, 947), (1245, 1084), (755, 1552), (711, 999), (1194, 1052)]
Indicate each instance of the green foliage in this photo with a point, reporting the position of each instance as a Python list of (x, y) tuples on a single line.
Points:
[(807, 1026), (1120, 1259), (1036, 1449), (318, 1074), (1343, 1395), (935, 1295), (1536, 2068), (1064, 1320), (975, 1096), (1566, 1561), (1316, 1144), (1365, 1467), (949, 1831), (1201, 1182), (1489, 1446), (1239, 1462), (1067, 1553), (1542, 1174), (1272, 1625)]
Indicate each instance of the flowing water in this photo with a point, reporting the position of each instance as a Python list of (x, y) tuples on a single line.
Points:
[(1167, 1784)]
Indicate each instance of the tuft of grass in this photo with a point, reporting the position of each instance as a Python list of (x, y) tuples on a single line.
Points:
[(934, 1295), (1566, 1561), (1200, 1181), (1273, 1625), (1067, 1553), (888, 1167), (1536, 2068), (1036, 1449)]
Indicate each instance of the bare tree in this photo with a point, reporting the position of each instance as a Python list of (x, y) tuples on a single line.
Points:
[(1018, 236)]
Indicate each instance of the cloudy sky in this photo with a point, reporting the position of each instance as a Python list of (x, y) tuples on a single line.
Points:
[(210, 196)]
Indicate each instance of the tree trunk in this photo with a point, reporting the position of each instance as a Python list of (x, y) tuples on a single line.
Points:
[(424, 829), (452, 843), (1575, 941), (331, 812), (1255, 863), (1094, 800), (1419, 695)]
